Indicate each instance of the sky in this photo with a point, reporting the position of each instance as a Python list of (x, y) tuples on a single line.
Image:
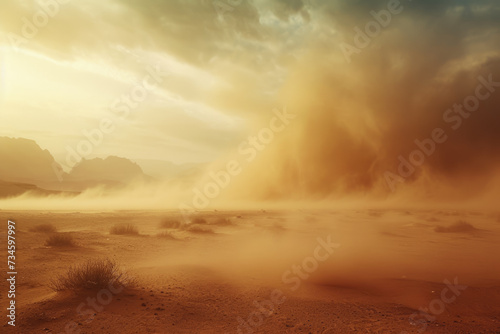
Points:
[(364, 79)]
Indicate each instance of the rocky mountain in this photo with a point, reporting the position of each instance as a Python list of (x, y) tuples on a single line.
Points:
[(111, 171), (25, 166), (22, 160)]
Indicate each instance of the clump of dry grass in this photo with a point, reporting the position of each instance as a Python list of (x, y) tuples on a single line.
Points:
[(124, 229), (222, 222), (199, 229), (60, 240), (459, 227), (170, 223), (199, 221), (43, 228), (92, 274), (166, 235)]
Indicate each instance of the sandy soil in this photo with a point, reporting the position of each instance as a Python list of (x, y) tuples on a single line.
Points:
[(385, 273)]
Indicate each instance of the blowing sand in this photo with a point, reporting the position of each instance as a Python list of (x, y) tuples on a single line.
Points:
[(368, 271)]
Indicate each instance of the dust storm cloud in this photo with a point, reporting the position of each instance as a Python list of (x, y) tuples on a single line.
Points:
[(383, 93), (358, 115)]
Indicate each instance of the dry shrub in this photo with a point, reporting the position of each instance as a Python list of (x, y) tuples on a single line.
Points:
[(199, 221), (222, 222), (43, 228), (92, 274), (60, 240), (170, 223), (124, 229), (199, 229), (166, 235), (459, 227)]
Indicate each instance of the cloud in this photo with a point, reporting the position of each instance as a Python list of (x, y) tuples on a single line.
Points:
[(239, 62), (356, 119)]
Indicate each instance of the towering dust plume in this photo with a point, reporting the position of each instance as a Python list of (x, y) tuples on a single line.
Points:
[(358, 123)]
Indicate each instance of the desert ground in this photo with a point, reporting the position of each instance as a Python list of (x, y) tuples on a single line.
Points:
[(370, 271)]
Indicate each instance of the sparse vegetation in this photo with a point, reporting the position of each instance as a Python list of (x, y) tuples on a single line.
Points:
[(166, 235), (44, 228), (124, 229), (170, 223), (459, 227), (199, 229), (199, 221), (60, 240), (222, 222), (93, 274)]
